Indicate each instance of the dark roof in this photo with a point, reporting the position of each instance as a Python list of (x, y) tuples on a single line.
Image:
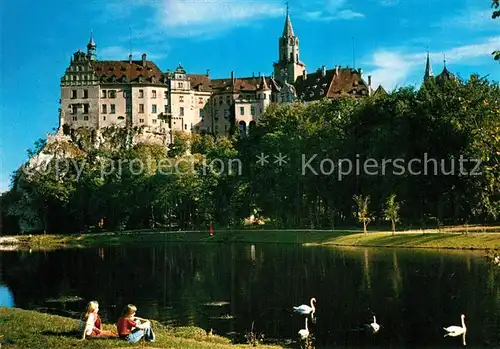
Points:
[(332, 84), (247, 84), (126, 72), (200, 82), (380, 91), (446, 75)]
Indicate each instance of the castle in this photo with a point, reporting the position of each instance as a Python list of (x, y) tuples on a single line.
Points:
[(96, 94)]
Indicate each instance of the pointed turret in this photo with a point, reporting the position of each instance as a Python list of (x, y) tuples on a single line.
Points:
[(263, 84), (91, 47), (428, 68)]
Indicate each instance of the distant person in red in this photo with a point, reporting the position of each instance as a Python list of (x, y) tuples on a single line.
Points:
[(132, 328), (211, 230)]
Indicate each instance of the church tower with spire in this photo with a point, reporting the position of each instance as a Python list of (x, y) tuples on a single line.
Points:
[(428, 69), (288, 67)]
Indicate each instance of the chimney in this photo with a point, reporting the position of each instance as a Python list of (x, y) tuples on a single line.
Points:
[(253, 75), (143, 59), (232, 75), (323, 70), (369, 80), (130, 58), (208, 72)]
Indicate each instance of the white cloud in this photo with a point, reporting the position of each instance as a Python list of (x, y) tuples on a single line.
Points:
[(469, 19), (393, 68), (331, 10), (192, 18)]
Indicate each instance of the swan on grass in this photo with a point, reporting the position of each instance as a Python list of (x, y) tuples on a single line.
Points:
[(305, 309), (454, 331), (375, 327), (304, 333)]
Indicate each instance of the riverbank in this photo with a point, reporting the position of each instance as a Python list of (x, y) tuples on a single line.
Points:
[(450, 239), (22, 329)]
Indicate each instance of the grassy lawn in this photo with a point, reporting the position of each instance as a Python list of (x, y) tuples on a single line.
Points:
[(451, 239), (30, 330)]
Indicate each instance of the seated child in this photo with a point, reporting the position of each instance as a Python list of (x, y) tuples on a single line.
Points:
[(133, 328), (91, 324)]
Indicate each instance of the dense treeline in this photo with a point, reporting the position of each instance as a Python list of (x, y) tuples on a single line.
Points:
[(435, 152)]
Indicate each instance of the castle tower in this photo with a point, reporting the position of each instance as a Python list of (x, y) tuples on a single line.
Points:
[(91, 48), (428, 68), (288, 67)]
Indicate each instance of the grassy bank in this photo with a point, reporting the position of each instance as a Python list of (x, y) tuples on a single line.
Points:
[(29, 329), (453, 239)]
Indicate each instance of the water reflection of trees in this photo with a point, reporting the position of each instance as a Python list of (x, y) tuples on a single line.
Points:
[(172, 282)]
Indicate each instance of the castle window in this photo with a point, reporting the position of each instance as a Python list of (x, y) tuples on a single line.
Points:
[(85, 93), (165, 94), (141, 108), (86, 118), (242, 110), (74, 109), (141, 93), (153, 94), (179, 84), (103, 118), (112, 94), (85, 108), (104, 109), (75, 118), (181, 99), (154, 121), (153, 109), (228, 99), (112, 106), (181, 111), (73, 94), (104, 94), (141, 120), (200, 100), (185, 126), (166, 108)]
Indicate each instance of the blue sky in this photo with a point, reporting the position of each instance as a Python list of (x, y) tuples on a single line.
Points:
[(391, 38)]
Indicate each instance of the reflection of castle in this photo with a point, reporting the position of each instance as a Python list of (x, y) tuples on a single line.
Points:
[(136, 93)]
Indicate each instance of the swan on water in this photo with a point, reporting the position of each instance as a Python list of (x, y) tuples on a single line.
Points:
[(375, 327), (454, 331), (304, 333), (305, 309)]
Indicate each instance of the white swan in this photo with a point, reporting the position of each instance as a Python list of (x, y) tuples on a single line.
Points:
[(304, 333), (305, 309), (375, 327), (454, 331)]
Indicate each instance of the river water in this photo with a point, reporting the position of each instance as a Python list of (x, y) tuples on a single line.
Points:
[(227, 287)]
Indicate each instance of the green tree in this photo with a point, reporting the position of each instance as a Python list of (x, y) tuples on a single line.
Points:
[(362, 213), (391, 211)]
